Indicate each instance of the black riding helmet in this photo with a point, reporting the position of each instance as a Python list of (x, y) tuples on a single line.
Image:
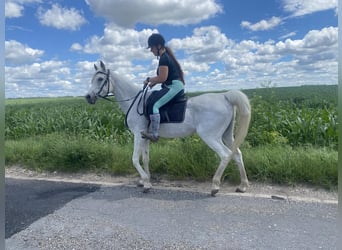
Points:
[(155, 40)]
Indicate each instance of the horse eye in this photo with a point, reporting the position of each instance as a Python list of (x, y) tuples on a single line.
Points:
[(100, 79)]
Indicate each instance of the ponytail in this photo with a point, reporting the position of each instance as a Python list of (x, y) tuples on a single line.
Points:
[(170, 52)]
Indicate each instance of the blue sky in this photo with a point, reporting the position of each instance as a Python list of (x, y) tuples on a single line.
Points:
[(51, 46)]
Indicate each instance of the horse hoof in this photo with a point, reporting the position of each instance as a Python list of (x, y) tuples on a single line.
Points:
[(140, 183), (240, 190), (147, 187), (214, 192)]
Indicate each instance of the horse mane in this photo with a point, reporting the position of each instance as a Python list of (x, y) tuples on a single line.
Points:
[(123, 80)]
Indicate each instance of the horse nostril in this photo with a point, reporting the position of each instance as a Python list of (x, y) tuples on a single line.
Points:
[(90, 99)]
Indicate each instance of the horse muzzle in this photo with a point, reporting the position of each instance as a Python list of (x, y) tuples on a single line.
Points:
[(91, 99)]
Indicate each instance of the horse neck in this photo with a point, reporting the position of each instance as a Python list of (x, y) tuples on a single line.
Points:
[(123, 90)]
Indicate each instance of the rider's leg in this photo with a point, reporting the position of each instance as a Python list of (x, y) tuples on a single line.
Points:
[(174, 89)]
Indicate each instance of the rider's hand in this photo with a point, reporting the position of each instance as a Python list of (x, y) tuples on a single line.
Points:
[(151, 85)]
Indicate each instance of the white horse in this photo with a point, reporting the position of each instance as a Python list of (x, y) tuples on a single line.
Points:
[(210, 115)]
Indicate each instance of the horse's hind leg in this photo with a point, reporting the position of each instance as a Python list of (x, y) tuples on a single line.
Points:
[(218, 174), (225, 155), (244, 181), (228, 141)]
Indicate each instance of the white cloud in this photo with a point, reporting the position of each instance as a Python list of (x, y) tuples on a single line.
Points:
[(314, 55), (292, 61), (325, 37), (18, 53), (119, 47), (155, 12), (61, 18), (76, 47), (315, 41), (192, 66), (213, 61), (13, 9), (287, 35), (49, 78), (262, 25), (304, 7), (296, 8), (205, 45), (249, 63)]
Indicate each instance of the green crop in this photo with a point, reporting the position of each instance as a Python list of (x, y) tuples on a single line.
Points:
[(285, 122), (103, 121), (279, 116)]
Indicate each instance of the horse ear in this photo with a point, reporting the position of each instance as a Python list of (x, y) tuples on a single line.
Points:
[(103, 66), (95, 66)]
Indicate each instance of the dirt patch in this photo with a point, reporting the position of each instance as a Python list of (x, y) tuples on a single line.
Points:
[(277, 192)]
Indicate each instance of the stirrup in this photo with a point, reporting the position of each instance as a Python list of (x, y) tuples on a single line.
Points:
[(149, 136)]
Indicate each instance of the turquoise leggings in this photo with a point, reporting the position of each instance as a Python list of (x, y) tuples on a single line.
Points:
[(175, 88)]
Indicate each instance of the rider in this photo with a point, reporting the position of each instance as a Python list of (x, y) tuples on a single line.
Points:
[(169, 74)]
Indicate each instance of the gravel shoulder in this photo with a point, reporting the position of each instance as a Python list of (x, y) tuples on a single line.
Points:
[(297, 192)]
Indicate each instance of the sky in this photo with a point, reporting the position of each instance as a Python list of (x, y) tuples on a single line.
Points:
[(51, 46)]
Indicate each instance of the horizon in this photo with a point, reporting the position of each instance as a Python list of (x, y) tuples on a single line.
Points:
[(186, 92)]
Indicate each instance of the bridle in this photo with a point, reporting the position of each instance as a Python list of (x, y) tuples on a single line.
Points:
[(103, 84), (106, 81)]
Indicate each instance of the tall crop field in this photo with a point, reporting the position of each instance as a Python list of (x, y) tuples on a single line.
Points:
[(69, 116)]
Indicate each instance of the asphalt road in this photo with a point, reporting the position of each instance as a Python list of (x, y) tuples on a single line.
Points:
[(60, 215), (29, 200)]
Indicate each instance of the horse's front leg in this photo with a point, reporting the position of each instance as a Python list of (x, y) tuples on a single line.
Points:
[(146, 156), (140, 146)]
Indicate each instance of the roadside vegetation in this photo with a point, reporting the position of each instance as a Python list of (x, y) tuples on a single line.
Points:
[(292, 139)]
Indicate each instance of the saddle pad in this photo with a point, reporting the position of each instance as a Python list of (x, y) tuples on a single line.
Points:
[(172, 112), (175, 112)]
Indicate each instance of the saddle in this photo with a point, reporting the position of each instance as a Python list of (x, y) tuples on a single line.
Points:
[(171, 112)]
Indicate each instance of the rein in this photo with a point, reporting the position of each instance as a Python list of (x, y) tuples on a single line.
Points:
[(142, 97), (110, 100), (141, 93)]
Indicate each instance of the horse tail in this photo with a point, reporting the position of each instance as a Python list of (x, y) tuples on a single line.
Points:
[(241, 102)]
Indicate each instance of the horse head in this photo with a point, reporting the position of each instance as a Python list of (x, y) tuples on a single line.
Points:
[(100, 84)]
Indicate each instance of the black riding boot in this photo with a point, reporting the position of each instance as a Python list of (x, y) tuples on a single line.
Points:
[(155, 123)]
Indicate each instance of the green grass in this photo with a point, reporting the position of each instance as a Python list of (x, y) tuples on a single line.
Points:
[(56, 152), (176, 159), (287, 165)]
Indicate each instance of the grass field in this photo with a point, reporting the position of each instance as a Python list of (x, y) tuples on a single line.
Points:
[(292, 138)]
